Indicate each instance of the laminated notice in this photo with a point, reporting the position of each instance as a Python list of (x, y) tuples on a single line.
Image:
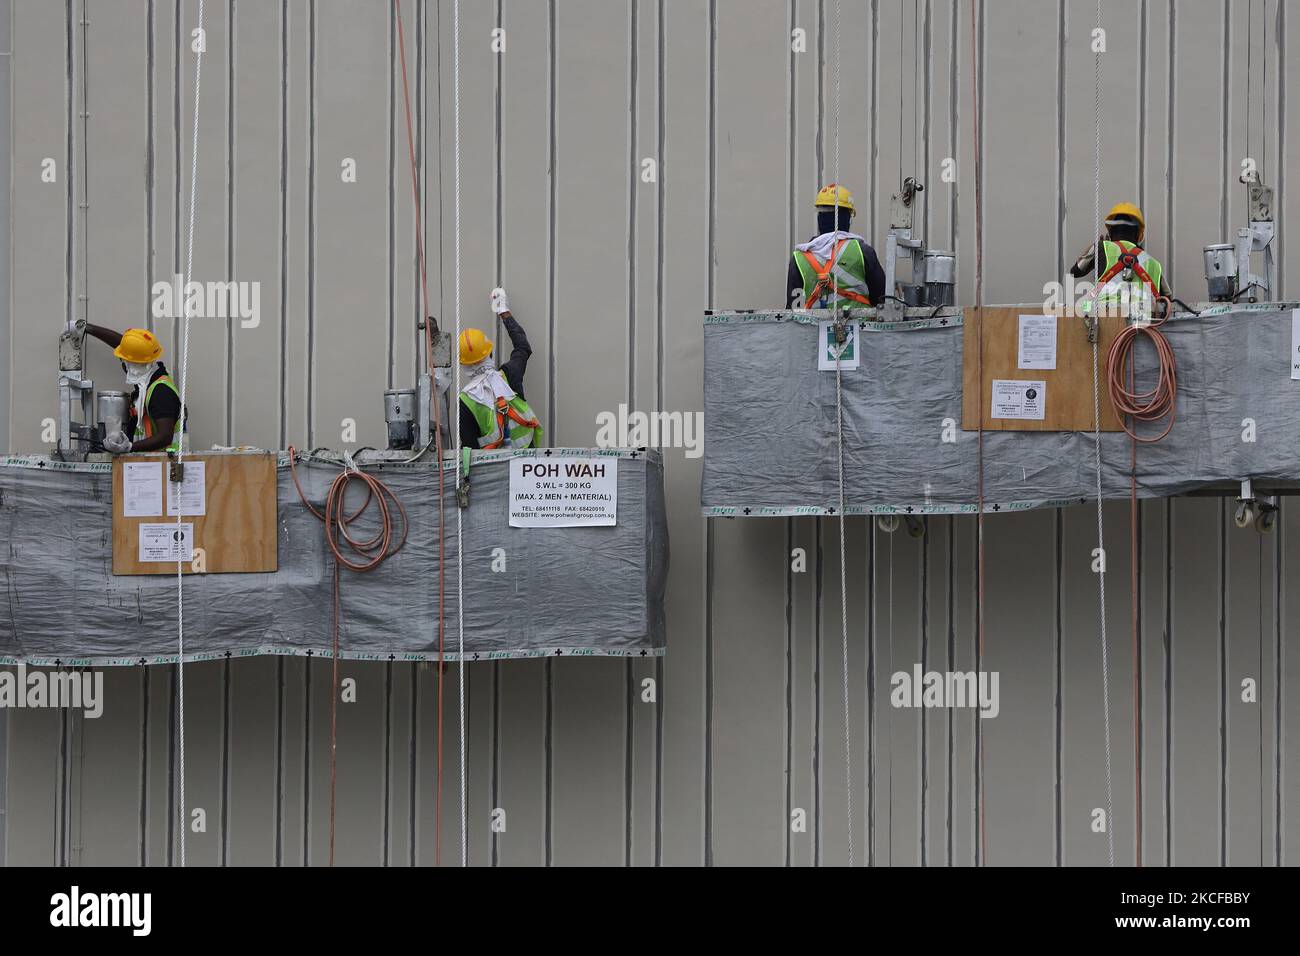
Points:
[(563, 492), (167, 542), (1013, 398)]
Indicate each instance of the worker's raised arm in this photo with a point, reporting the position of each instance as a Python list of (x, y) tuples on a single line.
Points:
[(107, 336), (1087, 259), (517, 364)]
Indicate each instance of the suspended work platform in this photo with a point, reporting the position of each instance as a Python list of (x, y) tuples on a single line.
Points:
[(771, 425), (529, 591)]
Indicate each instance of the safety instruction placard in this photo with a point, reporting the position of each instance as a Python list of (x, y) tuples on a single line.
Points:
[(142, 489), (191, 494), (1037, 348), (563, 492), (827, 347), (1014, 398), (1295, 343), (167, 542)]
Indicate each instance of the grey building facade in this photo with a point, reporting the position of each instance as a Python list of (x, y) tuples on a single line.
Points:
[(625, 166)]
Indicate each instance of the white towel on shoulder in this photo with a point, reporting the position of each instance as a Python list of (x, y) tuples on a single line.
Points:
[(822, 245)]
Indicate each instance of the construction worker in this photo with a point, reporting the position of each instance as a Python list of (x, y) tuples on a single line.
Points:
[(1126, 273), (493, 412), (834, 251), (155, 399)]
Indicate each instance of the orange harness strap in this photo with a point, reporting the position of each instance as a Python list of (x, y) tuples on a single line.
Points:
[(824, 278), (1128, 259), (506, 411)]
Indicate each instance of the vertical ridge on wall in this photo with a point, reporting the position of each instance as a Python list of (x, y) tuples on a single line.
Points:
[(284, 225), (1167, 636), (710, 249), (548, 716), (660, 143), (1280, 683), (394, 128), (633, 167)]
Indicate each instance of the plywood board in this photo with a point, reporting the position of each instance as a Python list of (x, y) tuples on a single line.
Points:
[(1069, 399), (238, 531)]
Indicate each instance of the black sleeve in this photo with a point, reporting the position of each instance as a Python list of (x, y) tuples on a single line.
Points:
[(164, 403), (793, 285), (518, 363), (875, 274), (469, 433), (1089, 268)]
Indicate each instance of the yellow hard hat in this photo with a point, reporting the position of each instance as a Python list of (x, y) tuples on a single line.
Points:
[(138, 345), (1130, 211), (474, 347), (829, 193)]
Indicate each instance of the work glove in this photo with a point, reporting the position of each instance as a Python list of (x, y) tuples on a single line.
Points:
[(499, 301), (117, 443), (75, 325)]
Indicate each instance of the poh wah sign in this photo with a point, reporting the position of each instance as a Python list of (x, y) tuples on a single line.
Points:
[(563, 492)]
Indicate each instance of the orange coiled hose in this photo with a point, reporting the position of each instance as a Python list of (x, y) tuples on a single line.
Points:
[(1130, 404)]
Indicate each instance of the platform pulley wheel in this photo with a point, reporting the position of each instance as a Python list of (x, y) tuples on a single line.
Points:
[(1266, 520), (887, 523)]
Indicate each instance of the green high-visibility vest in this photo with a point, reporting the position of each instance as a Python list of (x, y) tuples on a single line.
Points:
[(524, 429), (144, 426), (1135, 291), (850, 278), (1113, 250)]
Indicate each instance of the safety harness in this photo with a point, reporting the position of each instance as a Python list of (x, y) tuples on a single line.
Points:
[(826, 278), (1129, 258), (505, 410), (506, 422)]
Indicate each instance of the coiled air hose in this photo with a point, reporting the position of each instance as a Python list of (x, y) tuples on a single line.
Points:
[(1131, 405)]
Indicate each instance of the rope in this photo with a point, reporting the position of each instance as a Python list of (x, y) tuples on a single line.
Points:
[(1096, 426), (437, 440), (85, 166), (1259, 709), (979, 516), (460, 518), (839, 449), (1137, 644), (372, 551), (180, 454), (891, 709), (1263, 99)]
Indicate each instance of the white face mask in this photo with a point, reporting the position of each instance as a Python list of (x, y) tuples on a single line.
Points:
[(138, 373)]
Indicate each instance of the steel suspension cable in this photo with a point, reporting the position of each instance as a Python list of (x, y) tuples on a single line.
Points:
[(839, 448), (460, 520), (982, 851), (437, 437), (1096, 425), (180, 454)]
